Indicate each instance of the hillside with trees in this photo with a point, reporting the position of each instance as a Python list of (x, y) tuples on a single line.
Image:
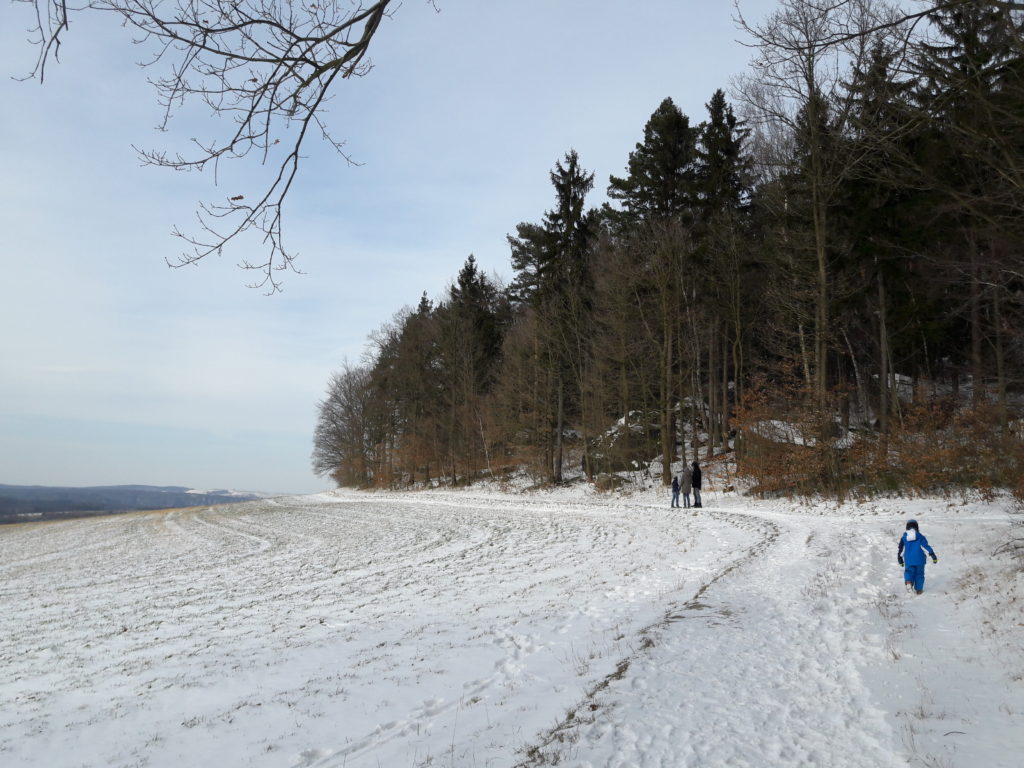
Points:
[(821, 274)]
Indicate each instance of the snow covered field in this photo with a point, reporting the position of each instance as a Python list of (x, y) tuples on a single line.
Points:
[(485, 629)]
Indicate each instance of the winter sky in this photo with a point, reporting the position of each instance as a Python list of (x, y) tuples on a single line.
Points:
[(116, 369)]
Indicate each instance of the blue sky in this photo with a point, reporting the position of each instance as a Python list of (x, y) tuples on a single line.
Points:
[(117, 369)]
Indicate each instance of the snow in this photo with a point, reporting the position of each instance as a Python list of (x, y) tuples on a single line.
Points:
[(489, 628), (778, 431)]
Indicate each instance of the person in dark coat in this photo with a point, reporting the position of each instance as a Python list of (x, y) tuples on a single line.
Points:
[(911, 555), (675, 491), (686, 486), (695, 480)]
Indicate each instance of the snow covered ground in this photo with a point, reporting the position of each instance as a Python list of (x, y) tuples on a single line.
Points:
[(480, 628)]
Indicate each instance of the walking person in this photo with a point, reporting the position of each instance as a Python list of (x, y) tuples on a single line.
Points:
[(675, 491), (695, 481), (686, 486), (910, 554)]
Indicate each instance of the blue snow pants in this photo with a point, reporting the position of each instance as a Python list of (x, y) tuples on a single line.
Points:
[(915, 574)]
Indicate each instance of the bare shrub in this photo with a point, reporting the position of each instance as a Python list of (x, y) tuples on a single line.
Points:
[(793, 444)]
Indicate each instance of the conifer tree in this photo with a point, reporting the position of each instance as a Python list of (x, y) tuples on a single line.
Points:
[(878, 220), (553, 278), (658, 198), (723, 253), (470, 325), (972, 92), (723, 176), (660, 182)]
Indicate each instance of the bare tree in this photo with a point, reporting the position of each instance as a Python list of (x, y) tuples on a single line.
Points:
[(795, 100), (902, 21), (269, 65), (341, 440)]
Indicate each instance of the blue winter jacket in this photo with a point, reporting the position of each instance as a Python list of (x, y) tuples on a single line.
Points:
[(913, 551)]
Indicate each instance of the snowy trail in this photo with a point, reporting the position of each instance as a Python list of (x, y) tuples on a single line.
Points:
[(810, 653), (484, 629), (762, 669)]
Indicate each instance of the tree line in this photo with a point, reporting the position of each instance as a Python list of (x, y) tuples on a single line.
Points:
[(835, 247)]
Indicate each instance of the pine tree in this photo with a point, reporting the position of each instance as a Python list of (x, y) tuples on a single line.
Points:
[(723, 176), (972, 95), (886, 311), (660, 182), (471, 323), (659, 196), (554, 280)]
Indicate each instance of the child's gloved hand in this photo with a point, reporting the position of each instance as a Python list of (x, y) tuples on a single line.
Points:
[(899, 559), (935, 558)]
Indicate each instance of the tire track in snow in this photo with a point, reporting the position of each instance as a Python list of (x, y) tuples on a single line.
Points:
[(302, 623), (774, 677), (531, 543), (546, 750)]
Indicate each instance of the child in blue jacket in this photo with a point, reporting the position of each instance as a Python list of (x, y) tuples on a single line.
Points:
[(910, 555)]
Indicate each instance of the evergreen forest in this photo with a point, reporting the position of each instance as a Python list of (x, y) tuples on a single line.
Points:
[(820, 278)]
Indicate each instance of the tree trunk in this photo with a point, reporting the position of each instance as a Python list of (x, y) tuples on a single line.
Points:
[(712, 392), (668, 437), (681, 388), (556, 468), (1004, 421), (861, 397), (627, 430), (821, 319), (976, 340), (725, 392), (737, 363), (804, 361), (883, 345)]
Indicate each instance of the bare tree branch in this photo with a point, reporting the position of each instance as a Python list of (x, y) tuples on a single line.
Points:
[(267, 64), (873, 22), (907, 20)]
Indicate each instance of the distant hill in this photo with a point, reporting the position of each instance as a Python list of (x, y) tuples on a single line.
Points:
[(26, 503)]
